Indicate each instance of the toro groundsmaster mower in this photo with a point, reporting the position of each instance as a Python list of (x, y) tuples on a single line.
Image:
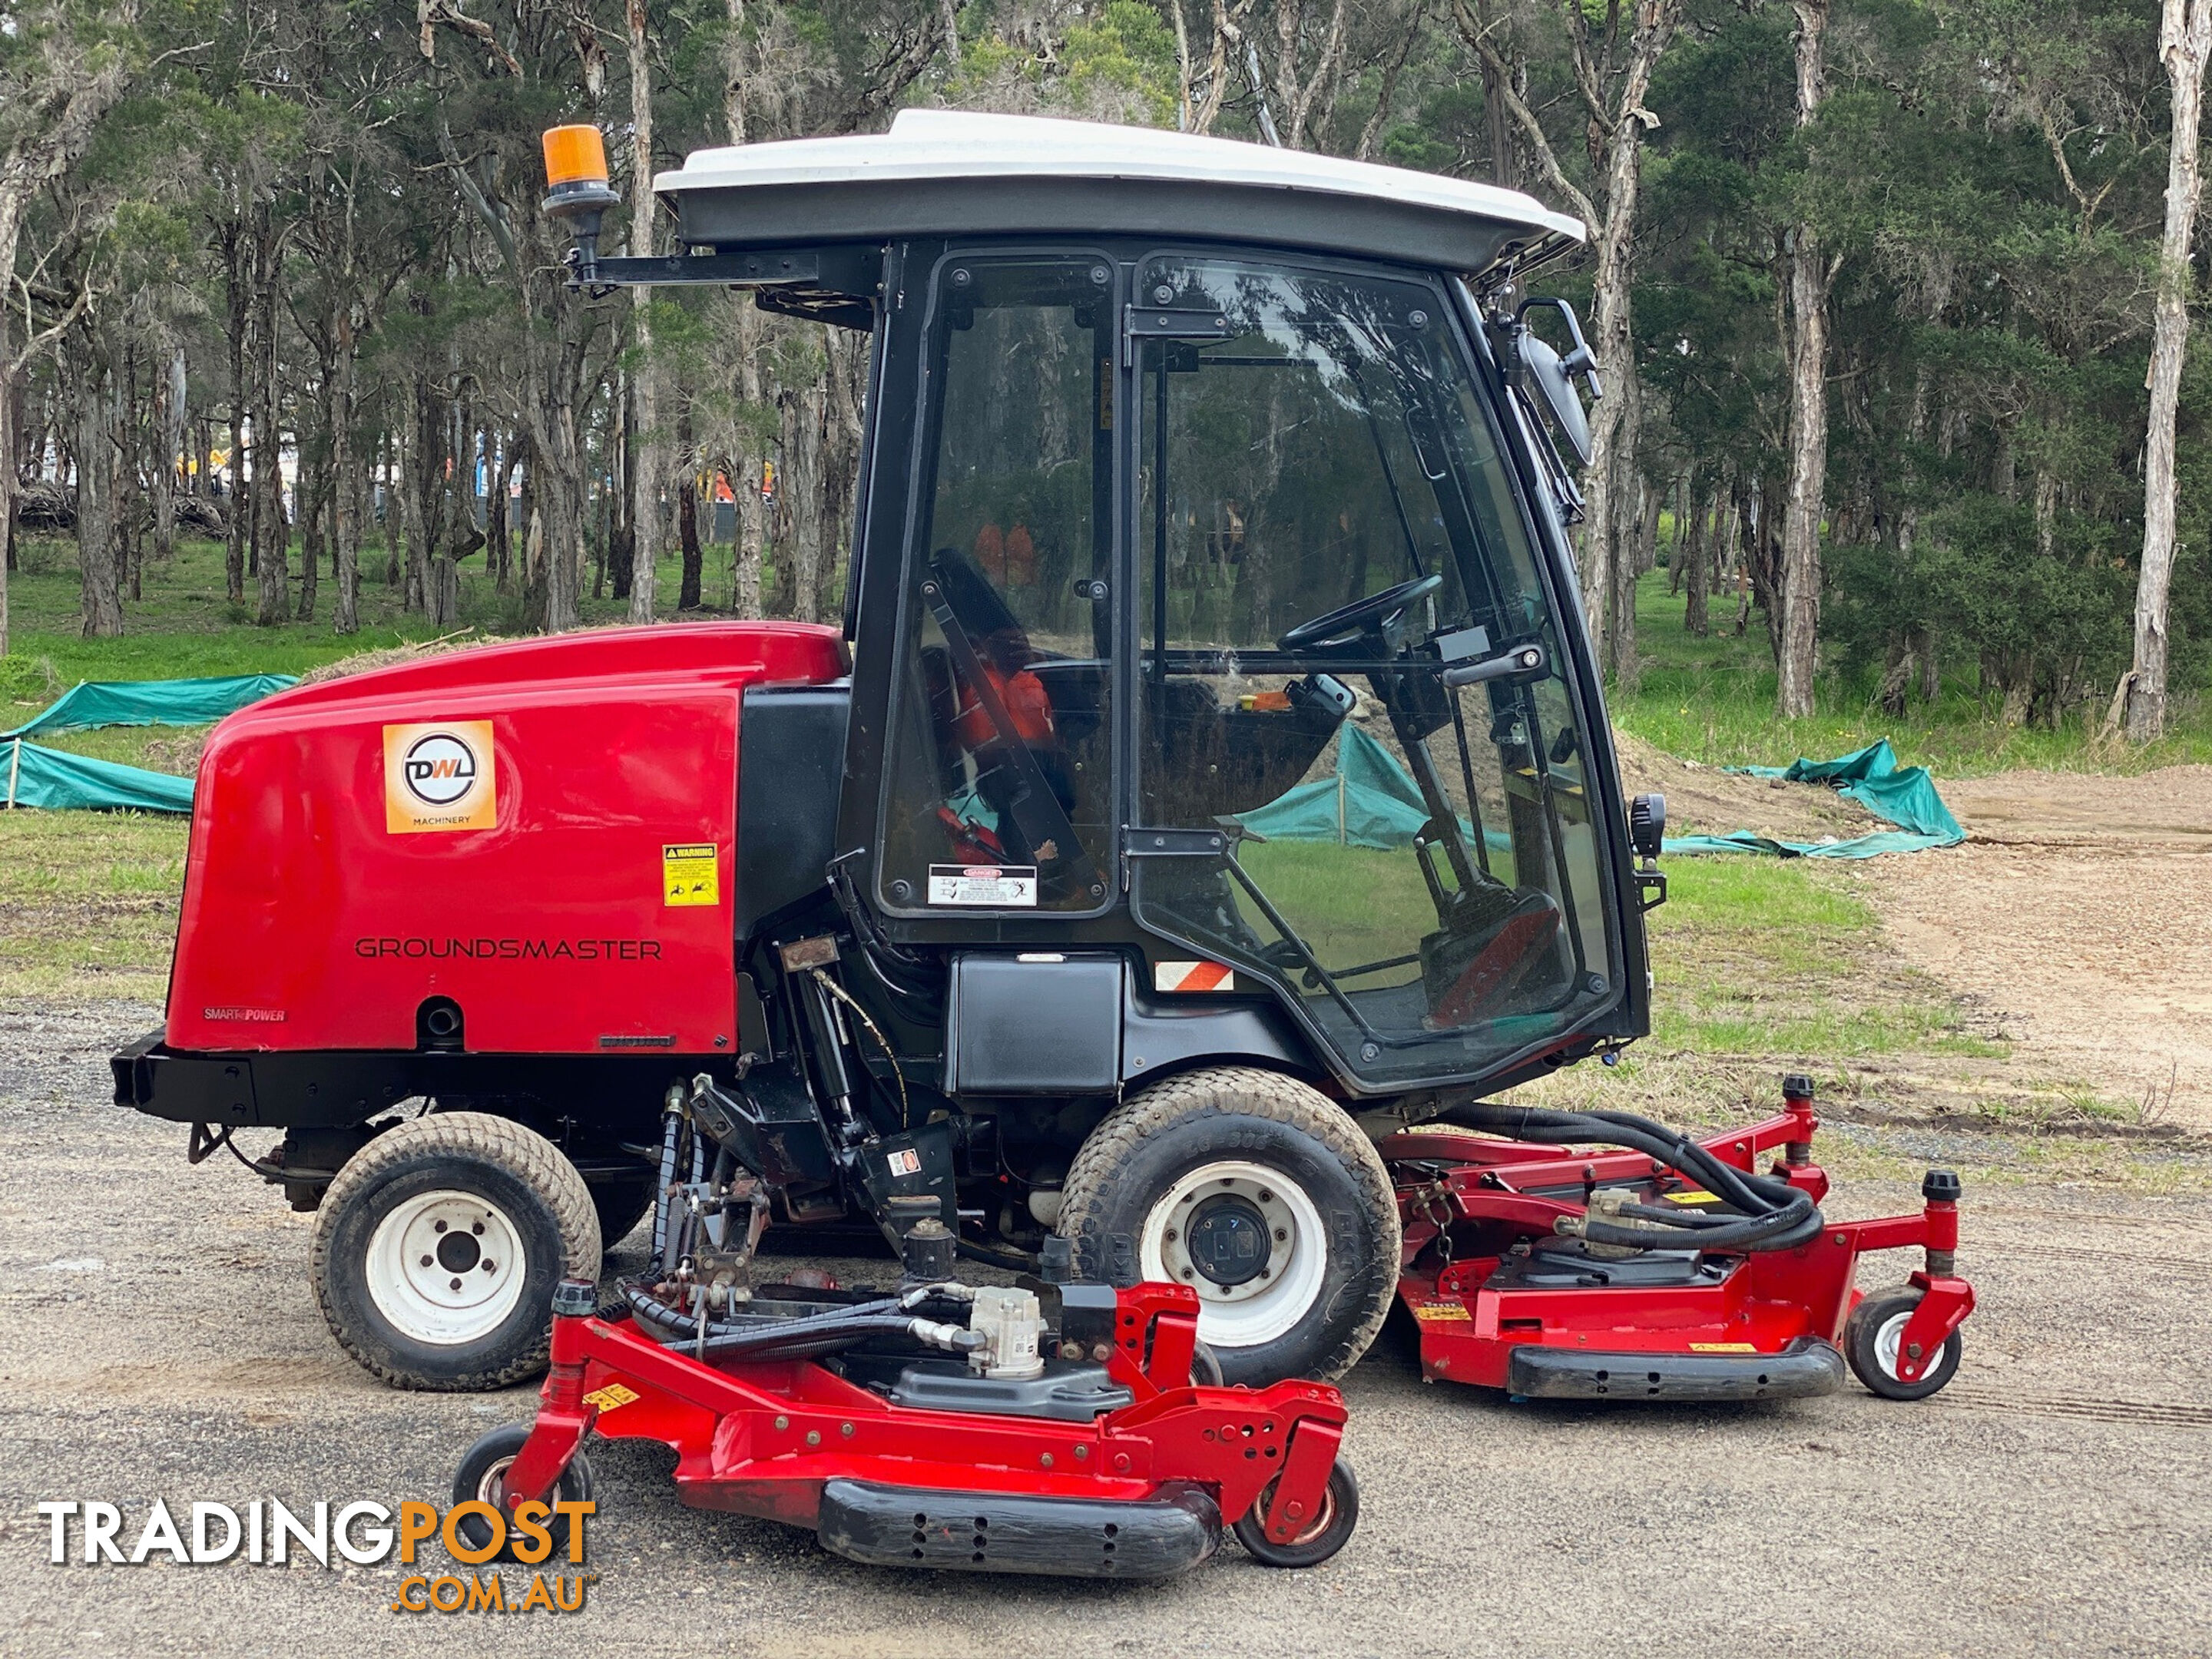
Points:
[(1206, 792)]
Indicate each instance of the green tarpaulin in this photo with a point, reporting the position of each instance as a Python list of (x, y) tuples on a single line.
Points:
[(1369, 802), (1903, 795), (47, 777), (38, 777), (150, 702)]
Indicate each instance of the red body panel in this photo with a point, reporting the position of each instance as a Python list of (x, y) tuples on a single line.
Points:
[(310, 921)]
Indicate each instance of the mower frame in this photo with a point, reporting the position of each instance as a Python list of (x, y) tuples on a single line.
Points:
[(1767, 1324), (1150, 1484)]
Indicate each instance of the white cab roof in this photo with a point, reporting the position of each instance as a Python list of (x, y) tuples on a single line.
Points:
[(930, 144)]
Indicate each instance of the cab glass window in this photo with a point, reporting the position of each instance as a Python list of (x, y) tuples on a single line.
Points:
[(998, 787), (1349, 668)]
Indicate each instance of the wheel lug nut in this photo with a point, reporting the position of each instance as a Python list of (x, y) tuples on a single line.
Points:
[(1170, 1235), (476, 1228), (1282, 1234), (437, 1226), (425, 1260), (457, 1284), (490, 1265), (1266, 1197)]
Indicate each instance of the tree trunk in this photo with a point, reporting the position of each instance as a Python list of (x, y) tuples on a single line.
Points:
[(752, 509), (345, 488), (686, 520), (101, 604), (2185, 36), (647, 465), (168, 444), (1809, 276), (239, 296), (1697, 578), (271, 566)]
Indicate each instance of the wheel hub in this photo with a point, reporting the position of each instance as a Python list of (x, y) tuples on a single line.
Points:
[(1248, 1240), (446, 1267), (1229, 1239)]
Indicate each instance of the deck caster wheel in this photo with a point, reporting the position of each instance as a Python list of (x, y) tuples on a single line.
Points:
[(438, 1247), (1262, 1196), (1330, 1531), (1871, 1336), (481, 1478)]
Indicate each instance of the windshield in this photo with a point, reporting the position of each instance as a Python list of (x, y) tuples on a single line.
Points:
[(1349, 665)]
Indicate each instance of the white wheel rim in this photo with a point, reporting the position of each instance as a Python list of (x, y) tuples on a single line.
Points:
[(1273, 1301), (1886, 1342), (446, 1267)]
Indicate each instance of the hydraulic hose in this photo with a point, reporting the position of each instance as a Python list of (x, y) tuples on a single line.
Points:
[(1776, 1216)]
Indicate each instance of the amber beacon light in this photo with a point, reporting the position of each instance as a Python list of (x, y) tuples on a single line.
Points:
[(576, 186)]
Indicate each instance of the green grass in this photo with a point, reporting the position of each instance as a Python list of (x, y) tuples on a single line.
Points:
[(89, 903), (1712, 700), (1760, 957)]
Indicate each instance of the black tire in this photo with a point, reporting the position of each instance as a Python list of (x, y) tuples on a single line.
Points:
[(1206, 1367), (1150, 1156), (1863, 1347), (531, 1223), (620, 1205), (478, 1479), (1330, 1531)]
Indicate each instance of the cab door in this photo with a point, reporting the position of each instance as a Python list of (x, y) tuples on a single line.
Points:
[(998, 779), (1358, 752)]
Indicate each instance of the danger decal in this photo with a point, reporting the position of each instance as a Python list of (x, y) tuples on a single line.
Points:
[(440, 777), (1191, 977)]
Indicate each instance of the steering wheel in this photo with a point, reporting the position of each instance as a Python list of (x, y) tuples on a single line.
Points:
[(1359, 614)]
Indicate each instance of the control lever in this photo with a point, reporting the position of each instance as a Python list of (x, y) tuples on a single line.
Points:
[(1522, 662)]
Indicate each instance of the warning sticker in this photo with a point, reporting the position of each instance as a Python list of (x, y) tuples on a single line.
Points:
[(1721, 1347), (613, 1397), (903, 1161), (992, 885), (1692, 1195), (690, 875), (1429, 1311), (439, 777)]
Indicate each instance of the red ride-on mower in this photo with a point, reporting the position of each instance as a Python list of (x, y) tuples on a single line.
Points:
[(1047, 1427), (1670, 1270)]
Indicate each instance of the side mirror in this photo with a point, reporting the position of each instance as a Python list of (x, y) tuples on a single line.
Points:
[(1553, 375)]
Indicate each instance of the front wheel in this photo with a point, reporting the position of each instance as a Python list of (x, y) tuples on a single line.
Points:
[(1260, 1193), (1329, 1531), (1871, 1336)]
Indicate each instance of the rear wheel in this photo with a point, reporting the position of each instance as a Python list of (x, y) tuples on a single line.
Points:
[(1871, 1339), (438, 1247), (1260, 1193)]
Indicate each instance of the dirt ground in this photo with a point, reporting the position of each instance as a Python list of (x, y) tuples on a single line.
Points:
[(2078, 915)]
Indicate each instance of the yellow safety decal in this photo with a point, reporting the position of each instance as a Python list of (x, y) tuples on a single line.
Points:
[(613, 1397), (1428, 1311), (1693, 1198), (1721, 1347), (690, 875)]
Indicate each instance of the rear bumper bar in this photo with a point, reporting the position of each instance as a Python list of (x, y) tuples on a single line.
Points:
[(1807, 1366)]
